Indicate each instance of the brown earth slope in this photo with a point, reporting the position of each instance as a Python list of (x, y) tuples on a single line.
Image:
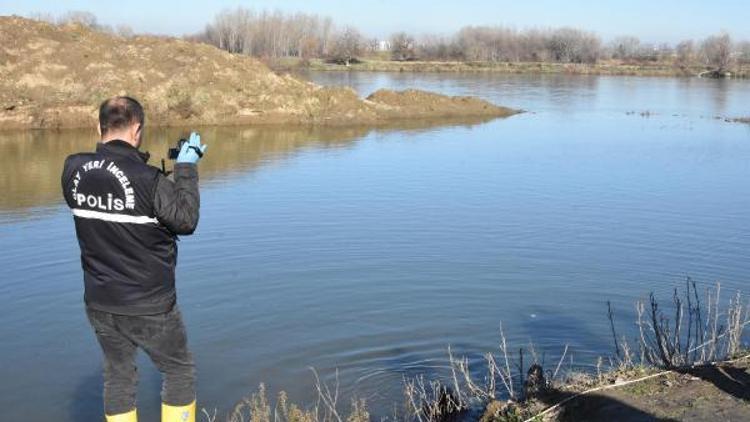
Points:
[(53, 76)]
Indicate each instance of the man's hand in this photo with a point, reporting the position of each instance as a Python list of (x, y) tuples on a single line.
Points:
[(192, 150)]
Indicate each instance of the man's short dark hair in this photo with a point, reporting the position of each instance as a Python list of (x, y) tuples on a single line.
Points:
[(118, 113)]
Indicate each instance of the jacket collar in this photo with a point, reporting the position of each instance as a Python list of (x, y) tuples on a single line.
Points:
[(121, 148)]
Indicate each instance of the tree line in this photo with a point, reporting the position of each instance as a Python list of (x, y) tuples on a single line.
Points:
[(277, 34), (270, 34)]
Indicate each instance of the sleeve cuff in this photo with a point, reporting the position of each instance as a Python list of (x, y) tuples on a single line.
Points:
[(185, 170)]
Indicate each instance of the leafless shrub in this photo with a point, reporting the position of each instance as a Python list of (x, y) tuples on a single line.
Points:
[(692, 336), (347, 45), (402, 46), (430, 401), (559, 363), (328, 398), (503, 377), (737, 316), (717, 50), (462, 374)]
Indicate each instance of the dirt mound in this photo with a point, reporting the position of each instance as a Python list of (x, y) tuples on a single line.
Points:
[(55, 76), (422, 103)]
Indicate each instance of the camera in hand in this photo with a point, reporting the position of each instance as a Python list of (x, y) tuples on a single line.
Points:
[(174, 152)]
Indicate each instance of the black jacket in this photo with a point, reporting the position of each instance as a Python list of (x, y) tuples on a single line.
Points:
[(127, 216)]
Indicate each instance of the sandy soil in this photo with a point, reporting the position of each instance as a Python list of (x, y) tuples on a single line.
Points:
[(52, 77)]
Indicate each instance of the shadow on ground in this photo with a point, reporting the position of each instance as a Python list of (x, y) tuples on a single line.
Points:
[(702, 393), (597, 407), (731, 380)]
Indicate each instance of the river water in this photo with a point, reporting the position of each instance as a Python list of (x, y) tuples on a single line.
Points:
[(371, 251)]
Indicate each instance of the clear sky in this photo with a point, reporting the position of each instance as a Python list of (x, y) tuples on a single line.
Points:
[(651, 20)]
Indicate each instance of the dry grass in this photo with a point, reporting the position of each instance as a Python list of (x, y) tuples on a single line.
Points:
[(257, 407)]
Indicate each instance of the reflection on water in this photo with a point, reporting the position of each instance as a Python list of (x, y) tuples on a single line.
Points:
[(31, 161), (721, 96), (567, 95)]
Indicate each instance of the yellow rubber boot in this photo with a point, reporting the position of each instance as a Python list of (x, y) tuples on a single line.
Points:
[(178, 413), (131, 416)]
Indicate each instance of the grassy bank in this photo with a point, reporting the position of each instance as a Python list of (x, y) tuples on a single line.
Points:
[(698, 393), (612, 67)]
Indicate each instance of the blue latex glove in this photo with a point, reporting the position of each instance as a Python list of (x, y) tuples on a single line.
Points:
[(189, 153)]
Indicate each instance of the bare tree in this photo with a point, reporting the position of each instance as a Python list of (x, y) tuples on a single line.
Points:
[(685, 53), (402, 46), (370, 46), (717, 50), (269, 34), (574, 46), (533, 44), (626, 48), (433, 47), (743, 48), (347, 46)]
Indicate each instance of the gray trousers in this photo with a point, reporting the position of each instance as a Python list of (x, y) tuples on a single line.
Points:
[(162, 337)]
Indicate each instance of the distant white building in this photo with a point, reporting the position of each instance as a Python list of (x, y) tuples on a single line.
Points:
[(384, 45)]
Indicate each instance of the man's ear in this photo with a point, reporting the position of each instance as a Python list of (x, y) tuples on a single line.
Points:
[(99, 130), (137, 134)]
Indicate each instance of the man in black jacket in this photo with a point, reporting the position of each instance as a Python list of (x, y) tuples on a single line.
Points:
[(127, 216)]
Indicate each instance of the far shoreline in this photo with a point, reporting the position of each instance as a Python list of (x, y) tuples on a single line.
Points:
[(603, 68)]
